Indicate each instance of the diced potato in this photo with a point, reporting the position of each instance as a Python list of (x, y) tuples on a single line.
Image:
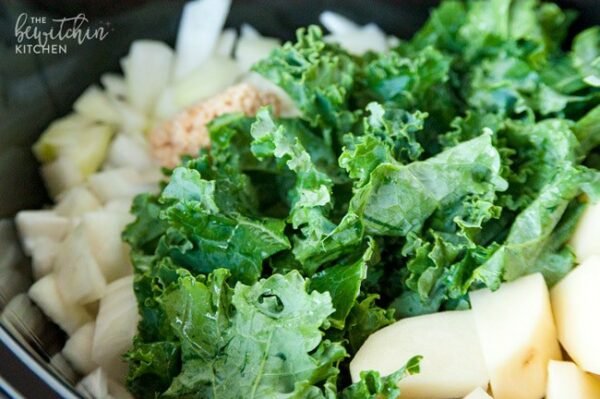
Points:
[(452, 364), (586, 238), (78, 275), (567, 381), (103, 232), (200, 19), (576, 301), (40, 224), (478, 394), (78, 349), (116, 325), (76, 201), (61, 175), (97, 106), (45, 293), (517, 334), (118, 184), (149, 69), (210, 78)]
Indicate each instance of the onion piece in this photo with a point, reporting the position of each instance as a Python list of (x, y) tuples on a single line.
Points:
[(249, 50), (61, 175), (129, 151), (114, 85), (116, 325), (96, 105), (68, 316), (199, 29), (35, 225), (43, 255), (149, 69), (78, 349), (208, 79), (226, 43), (337, 24), (102, 230), (76, 201), (118, 184), (368, 38), (78, 274)]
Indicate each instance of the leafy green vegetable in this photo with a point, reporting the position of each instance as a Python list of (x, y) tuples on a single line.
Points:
[(451, 162), (587, 131), (343, 284), (317, 76), (399, 199), (374, 386), (586, 55), (532, 229)]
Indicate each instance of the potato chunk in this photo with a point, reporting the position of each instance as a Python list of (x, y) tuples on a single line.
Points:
[(452, 364), (478, 394), (518, 337), (575, 301), (586, 239), (567, 381)]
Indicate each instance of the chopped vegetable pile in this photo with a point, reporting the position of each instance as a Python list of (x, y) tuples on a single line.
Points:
[(460, 159)]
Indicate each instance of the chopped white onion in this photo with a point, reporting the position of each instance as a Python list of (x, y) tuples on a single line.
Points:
[(76, 201), (226, 43), (210, 78), (129, 151), (166, 105), (149, 69), (97, 106), (61, 175), (116, 325), (199, 29), (103, 232), (249, 50), (118, 183), (94, 385), (114, 85), (368, 38), (337, 24), (43, 255), (78, 349), (78, 274), (68, 316), (40, 224)]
